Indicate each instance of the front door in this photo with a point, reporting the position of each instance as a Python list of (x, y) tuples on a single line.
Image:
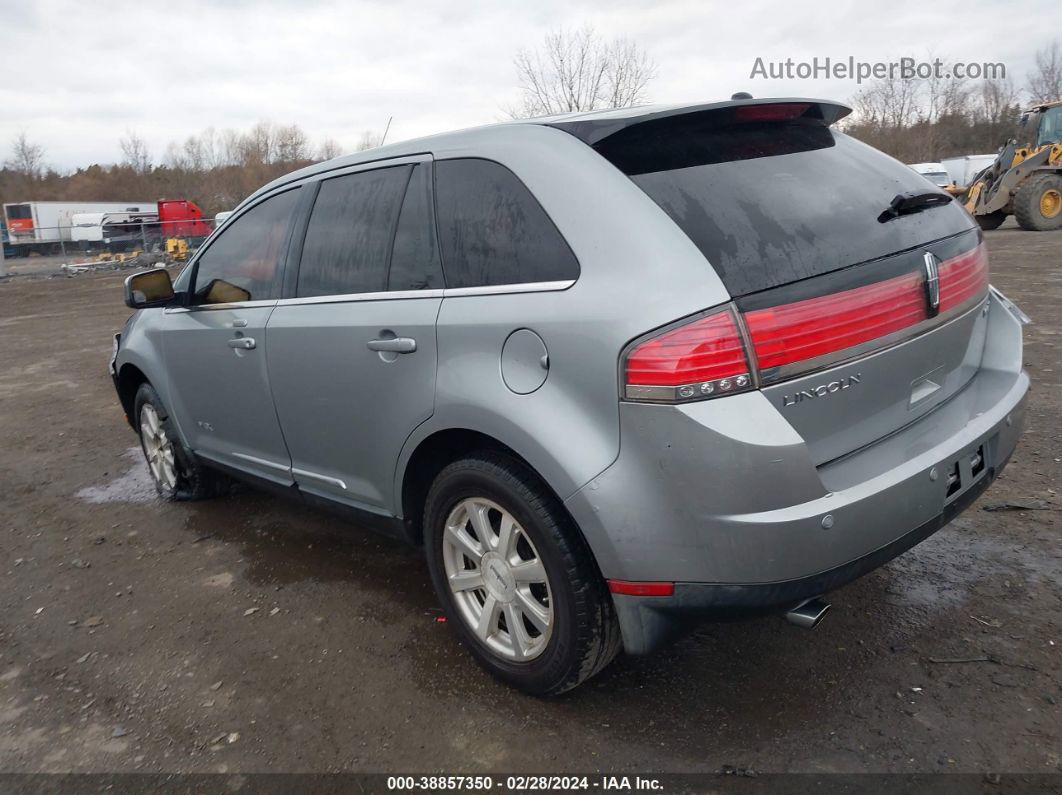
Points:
[(215, 348), (352, 357)]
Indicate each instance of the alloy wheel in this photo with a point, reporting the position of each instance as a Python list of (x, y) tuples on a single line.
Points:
[(497, 579), (158, 448)]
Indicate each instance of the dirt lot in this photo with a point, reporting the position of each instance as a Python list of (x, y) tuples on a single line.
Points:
[(250, 634)]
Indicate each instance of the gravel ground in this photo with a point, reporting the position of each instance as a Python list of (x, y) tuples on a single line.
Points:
[(251, 634)]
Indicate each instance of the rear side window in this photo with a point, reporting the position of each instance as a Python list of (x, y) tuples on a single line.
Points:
[(243, 263), (492, 230), (415, 258), (769, 203), (348, 239)]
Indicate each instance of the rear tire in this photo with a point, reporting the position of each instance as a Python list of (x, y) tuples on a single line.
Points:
[(174, 470), (991, 220), (1038, 203), (566, 629)]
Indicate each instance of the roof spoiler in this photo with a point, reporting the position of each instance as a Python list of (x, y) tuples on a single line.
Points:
[(593, 129)]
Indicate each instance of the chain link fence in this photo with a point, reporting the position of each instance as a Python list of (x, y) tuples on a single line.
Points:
[(102, 245)]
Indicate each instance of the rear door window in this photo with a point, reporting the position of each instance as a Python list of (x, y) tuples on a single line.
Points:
[(415, 257), (243, 263), (770, 203), (349, 236), (492, 230)]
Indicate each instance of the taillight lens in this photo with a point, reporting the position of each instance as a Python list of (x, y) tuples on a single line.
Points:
[(963, 277), (702, 358), (706, 357), (818, 326)]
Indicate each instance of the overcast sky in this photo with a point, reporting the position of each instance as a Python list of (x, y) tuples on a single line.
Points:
[(77, 75)]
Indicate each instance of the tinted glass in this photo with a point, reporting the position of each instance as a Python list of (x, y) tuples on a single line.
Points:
[(773, 203), (348, 240), (19, 212), (243, 263), (493, 231), (415, 258), (1050, 126)]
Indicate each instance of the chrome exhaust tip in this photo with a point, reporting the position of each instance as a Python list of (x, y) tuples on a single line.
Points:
[(808, 614)]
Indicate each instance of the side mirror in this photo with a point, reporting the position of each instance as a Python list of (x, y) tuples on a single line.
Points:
[(149, 288)]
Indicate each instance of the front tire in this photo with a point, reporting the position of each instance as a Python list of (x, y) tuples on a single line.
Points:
[(174, 471), (516, 579), (1038, 203)]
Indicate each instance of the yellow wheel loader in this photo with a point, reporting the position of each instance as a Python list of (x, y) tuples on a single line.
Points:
[(1026, 179)]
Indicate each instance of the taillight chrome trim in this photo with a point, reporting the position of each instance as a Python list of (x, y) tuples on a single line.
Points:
[(699, 391)]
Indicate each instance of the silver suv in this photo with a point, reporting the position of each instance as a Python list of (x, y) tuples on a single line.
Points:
[(615, 372)]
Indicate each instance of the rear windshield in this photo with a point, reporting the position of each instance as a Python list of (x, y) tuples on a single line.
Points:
[(770, 203)]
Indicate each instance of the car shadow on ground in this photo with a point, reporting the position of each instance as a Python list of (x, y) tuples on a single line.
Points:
[(763, 675)]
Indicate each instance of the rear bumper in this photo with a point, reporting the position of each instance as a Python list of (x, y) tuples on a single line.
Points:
[(722, 498), (650, 622)]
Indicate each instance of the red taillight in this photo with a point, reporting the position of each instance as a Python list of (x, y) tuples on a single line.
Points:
[(641, 588), (963, 277), (706, 357), (782, 111), (701, 358), (808, 329)]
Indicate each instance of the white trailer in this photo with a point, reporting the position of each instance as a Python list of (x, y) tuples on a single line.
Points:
[(962, 170), (934, 172), (109, 227), (36, 224)]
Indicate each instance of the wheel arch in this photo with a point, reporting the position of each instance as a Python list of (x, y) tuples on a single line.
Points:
[(427, 456), (128, 382)]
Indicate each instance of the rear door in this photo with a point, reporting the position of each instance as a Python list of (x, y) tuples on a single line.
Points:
[(352, 353), (863, 318), (216, 347)]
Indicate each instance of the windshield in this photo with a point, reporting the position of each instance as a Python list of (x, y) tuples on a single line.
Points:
[(1050, 126)]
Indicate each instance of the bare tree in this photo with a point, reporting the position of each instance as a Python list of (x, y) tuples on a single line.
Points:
[(259, 145), (135, 152), (996, 100), (889, 103), (291, 144), (578, 70), (368, 140), (328, 149), (27, 158), (175, 157), (1045, 81)]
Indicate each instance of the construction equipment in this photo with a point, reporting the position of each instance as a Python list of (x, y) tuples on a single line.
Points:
[(177, 249), (1026, 178)]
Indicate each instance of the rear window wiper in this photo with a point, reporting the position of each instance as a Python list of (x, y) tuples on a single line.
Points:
[(905, 204)]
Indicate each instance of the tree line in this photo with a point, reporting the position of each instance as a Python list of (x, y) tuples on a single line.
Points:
[(912, 119), (216, 168), (918, 120)]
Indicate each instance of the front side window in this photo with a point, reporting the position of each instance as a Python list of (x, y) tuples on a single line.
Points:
[(243, 263), (348, 239), (492, 230)]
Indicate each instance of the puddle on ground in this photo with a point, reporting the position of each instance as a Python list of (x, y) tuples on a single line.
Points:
[(135, 485), (940, 572)]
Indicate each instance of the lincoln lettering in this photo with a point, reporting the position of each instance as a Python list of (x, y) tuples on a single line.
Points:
[(822, 390)]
